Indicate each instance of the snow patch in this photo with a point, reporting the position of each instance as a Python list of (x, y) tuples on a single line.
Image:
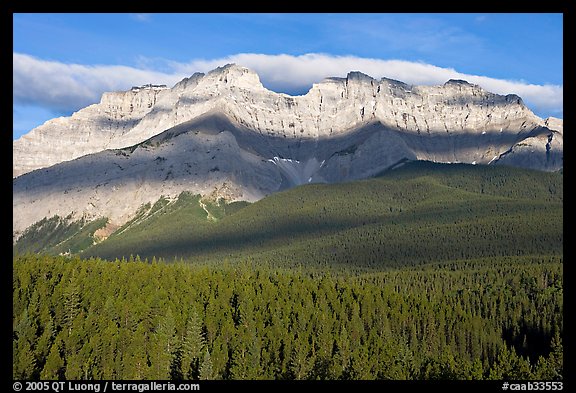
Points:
[(295, 171), (494, 158)]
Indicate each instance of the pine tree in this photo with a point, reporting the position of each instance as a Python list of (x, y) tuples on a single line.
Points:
[(192, 347), (136, 366), (54, 367), (246, 359), (72, 304), (404, 361), (164, 347), (509, 365), (360, 364), (552, 367), (301, 361), (26, 329), (24, 366), (206, 372), (557, 357), (476, 370), (74, 364), (341, 365), (45, 341)]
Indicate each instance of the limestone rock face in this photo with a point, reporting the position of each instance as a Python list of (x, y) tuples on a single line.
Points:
[(89, 130), (330, 108), (224, 132)]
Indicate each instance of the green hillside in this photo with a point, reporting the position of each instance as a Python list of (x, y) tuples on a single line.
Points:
[(58, 235), (421, 212)]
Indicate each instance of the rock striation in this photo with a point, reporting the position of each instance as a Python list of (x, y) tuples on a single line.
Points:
[(224, 132)]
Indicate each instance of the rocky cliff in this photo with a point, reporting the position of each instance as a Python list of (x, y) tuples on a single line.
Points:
[(332, 107), (224, 133)]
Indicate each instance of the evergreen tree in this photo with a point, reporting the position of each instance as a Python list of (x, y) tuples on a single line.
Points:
[(302, 362), (72, 304), (510, 366), (136, 366), (206, 371), (341, 365), (163, 347), (74, 363), (551, 368), (54, 367), (192, 347), (24, 366), (45, 341), (246, 359)]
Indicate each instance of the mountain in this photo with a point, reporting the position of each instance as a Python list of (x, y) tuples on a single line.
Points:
[(224, 135), (422, 212), (419, 213)]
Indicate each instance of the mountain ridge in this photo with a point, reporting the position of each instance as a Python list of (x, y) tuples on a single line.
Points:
[(125, 118), (224, 132)]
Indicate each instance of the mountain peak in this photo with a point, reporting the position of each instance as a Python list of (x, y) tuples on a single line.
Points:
[(458, 82), (359, 76), (228, 67), (234, 75), (148, 86), (190, 81)]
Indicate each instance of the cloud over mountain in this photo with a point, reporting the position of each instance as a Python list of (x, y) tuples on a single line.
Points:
[(68, 87)]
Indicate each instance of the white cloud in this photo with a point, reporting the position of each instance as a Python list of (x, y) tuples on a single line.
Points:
[(295, 73), (71, 86), (68, 87)]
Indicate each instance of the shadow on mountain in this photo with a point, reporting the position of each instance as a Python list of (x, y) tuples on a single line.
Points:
[(494, 100), (188, 100), (104, 122), (550, 161), (302, 148), (141, 161), (228, 240), (257, 229)]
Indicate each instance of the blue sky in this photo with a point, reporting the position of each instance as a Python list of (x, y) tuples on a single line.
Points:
[(63, 62)]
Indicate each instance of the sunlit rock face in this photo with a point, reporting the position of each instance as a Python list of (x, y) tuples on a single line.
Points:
[(224, 133)]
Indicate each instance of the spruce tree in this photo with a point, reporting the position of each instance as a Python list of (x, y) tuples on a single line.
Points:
[(192, 347), (72, 304), (54, 367), (24, 366), (163, 347), (206, 371)]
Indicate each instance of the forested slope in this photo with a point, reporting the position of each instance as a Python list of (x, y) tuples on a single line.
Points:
[(478, 319), (419, 213)]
